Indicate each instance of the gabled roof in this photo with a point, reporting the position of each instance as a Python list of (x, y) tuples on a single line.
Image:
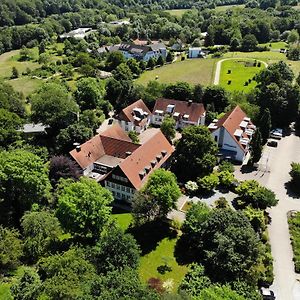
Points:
[(128, 114), (231, 121), (156, 149), (193, 110), (114, 141)]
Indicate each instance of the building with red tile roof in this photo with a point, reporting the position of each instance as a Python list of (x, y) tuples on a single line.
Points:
[(120, 165), (135, 117), (184, 112), (233, 133)]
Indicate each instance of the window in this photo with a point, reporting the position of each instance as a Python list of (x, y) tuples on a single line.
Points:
[(112, 185), (127, 189), (123, 188), (107, 183), (117, 187)]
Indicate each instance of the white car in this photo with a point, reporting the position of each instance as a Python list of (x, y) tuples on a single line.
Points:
[(267, 294), (276, 133)]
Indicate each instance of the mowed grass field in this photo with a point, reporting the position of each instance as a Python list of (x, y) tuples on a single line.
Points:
[(275, 45), (238, 72), (267, 56), (227, 7), (192, 70), (177, 12)]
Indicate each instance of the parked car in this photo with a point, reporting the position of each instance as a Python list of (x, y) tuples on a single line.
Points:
[(276, 133), (272, 143), (267, 294)]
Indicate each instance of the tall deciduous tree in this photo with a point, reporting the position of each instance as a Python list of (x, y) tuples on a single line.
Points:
[(10, 123), (216, 96), (66, 276), (256, 146), (195, 154), (27, 285), (179, 91), (40, 230), (114, 59), (115, 250), (227, 244), (264, 125), (83, 207), (24, 180), (11, 248), (75, 133), (90, 93), (53, 106), (62, 167), (168, 128), (162, 187)]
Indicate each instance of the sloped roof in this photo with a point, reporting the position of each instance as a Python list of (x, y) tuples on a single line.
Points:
[(114, 140), (143, 156), (194, 110), (231, 122), (127, 113)]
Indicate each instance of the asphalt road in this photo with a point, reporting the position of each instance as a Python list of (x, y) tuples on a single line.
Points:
[(274, 173)]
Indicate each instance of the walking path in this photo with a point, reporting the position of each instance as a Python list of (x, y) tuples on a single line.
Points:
[(219, 64)]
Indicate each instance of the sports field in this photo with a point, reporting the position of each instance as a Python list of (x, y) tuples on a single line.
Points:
[(238, 74), (192, 70)]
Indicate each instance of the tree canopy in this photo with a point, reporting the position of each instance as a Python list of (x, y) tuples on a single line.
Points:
[(83, 207), (195, 153)]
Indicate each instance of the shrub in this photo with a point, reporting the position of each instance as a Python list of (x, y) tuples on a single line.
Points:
[(191, 186), (226, 166), (208, 183), (295, 173), (226, 178)]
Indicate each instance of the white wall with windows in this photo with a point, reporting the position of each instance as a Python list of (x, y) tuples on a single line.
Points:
[(120, 192)]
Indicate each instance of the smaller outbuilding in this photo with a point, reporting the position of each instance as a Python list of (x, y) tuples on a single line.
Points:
[(196, 52)]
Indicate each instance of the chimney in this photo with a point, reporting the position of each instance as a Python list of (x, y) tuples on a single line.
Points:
[(190, 102), (128, 153), (78, 148)]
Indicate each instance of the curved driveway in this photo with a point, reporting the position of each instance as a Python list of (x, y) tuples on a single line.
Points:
[(219, 64)]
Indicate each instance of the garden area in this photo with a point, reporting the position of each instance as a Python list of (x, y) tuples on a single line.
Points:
[(238, 74), (157, 241)]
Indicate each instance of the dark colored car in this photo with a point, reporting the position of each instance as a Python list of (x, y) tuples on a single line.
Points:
[(272, 143), (267, 294)]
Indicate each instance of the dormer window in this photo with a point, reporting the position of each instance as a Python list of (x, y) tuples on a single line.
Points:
[(164, 153)]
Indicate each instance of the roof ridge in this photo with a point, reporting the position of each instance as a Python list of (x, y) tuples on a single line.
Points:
[(229, 114)]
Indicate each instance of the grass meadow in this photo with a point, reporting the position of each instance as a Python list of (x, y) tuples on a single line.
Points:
[(236, 73), (192, 70)]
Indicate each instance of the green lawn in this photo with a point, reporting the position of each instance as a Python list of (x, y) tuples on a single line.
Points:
[(238, 71), (267, 56), (163, 255), (25, 85), (294, 225), (177, 12), (9, 60), (226, 7), (192, 70), (276, 45), (123, 218), (5, 292)]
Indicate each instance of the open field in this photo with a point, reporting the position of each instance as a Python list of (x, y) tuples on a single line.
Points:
[(238, 72), (275, 45), (192, 70), (25, 85), (10, 59), (267, 56), (226, 7), (177, 12)]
